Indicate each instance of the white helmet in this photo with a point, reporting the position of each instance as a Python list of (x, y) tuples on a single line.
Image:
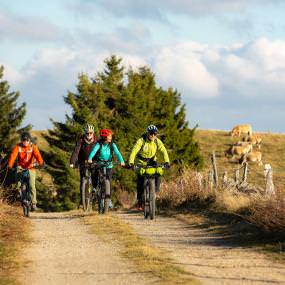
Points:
[(152, 129), (88, 129)]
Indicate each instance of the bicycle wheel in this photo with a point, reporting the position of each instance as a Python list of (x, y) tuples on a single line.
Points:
[(152, 198), (25, 200), (85, 194), (107, 191), (146, 198)]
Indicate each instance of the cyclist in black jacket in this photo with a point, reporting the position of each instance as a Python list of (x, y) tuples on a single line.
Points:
[(82, 150)]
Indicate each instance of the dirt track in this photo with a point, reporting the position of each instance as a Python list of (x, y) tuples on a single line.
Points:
[(208, 256), (64, 252)]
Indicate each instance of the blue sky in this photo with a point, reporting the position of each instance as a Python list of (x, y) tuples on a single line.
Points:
[(226, 57)]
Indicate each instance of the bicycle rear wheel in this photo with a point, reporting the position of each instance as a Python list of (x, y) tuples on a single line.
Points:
[(86, 191)]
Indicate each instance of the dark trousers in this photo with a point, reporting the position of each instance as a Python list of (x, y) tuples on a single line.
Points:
[(108, 177), (140, 185)]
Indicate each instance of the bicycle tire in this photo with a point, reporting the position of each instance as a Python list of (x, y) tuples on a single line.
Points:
[(146, 198), (107, 190), (25, 200), (152, 198), (85, 194)]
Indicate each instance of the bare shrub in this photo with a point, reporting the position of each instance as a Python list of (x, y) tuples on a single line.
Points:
[(269, 213), (266, 212), (181, 190)]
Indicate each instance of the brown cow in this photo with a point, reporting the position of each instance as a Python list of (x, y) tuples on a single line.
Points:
[(238, 151), (254, 156), (254, 139), (241, 129)]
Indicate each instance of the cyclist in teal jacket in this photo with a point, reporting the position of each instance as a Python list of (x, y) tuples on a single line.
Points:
[(103, 152)]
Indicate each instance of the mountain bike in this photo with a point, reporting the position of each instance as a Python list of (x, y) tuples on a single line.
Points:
[(88, 197), (104, 188), (25, 190), (149, 194)]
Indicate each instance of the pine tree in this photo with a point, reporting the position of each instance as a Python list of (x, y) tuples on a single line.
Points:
[(127, 103), (11, 115)]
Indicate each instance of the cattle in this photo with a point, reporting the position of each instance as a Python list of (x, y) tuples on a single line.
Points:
[(238, 151), (254, 140), (254, 156), (241, 129)]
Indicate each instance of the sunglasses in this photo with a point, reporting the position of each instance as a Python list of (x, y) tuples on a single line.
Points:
[(88, 134), (152, 134)]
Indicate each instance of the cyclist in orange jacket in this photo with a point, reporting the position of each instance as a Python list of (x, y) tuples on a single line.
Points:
[(27, 155)]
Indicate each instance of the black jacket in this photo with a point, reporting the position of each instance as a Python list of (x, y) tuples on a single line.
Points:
[(81, 151)]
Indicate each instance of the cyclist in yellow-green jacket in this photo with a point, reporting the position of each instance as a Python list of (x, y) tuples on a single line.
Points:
[(145, 150)]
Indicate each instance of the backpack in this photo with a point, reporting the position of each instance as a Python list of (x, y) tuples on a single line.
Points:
[(96, 158), (144, 137), (28, 151)]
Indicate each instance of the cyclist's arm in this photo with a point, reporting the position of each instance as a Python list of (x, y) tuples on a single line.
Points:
[(13, 156), (163, 150), (93, 151), (75, 153), (135, 150), (118, 154), (37, 155)]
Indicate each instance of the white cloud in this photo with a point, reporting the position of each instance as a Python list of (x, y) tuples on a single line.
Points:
[(181, 67), (227, 75), (14, 27)]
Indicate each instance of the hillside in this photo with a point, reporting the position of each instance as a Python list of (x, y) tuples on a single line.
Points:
[(272, 148)]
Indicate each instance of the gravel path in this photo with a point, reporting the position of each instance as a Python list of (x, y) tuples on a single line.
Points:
[(207, 256), (64, 252)]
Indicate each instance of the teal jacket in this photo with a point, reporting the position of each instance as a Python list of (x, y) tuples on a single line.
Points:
[(105, 153)]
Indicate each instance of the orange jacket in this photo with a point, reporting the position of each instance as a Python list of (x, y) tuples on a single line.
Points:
[(26, 156)]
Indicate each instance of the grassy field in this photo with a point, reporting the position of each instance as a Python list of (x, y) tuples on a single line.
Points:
[(272, 148)]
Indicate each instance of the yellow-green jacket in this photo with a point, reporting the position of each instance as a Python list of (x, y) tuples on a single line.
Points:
[(147, 149)]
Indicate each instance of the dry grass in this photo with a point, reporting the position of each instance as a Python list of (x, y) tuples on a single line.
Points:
[(145, 256), (266, 213), (272, 148), (13, 233)]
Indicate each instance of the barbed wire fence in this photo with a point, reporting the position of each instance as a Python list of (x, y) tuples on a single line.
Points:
[(239, 179)]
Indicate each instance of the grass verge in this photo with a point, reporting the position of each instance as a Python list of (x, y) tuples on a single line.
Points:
[(144, 255), (13, 232)]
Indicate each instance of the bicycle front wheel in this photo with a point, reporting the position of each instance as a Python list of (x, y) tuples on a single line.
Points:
[(152, 199), (86, 191), (107, 192)]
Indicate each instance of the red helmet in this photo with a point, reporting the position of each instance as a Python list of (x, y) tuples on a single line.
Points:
[(105, 132)]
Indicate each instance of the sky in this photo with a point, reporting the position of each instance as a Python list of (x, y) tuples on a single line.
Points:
[(225, 57)]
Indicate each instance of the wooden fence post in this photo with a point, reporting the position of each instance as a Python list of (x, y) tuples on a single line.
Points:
[(199, 178), (236, 177), (245, 171), (224, 180), (269, 186), (210, 178), (214, 167)]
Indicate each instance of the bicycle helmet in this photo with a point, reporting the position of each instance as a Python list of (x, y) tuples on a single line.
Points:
[(152, 129), (26, 136), (105, 132), (88, 129)]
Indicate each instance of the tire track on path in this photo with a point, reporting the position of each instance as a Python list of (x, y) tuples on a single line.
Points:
[(206, 255), (63, 251)]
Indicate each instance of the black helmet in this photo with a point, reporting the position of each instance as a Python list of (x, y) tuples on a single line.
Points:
[(25, 136)]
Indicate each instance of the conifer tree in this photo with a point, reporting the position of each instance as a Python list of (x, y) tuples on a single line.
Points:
[(11, 115), (126, 103)]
